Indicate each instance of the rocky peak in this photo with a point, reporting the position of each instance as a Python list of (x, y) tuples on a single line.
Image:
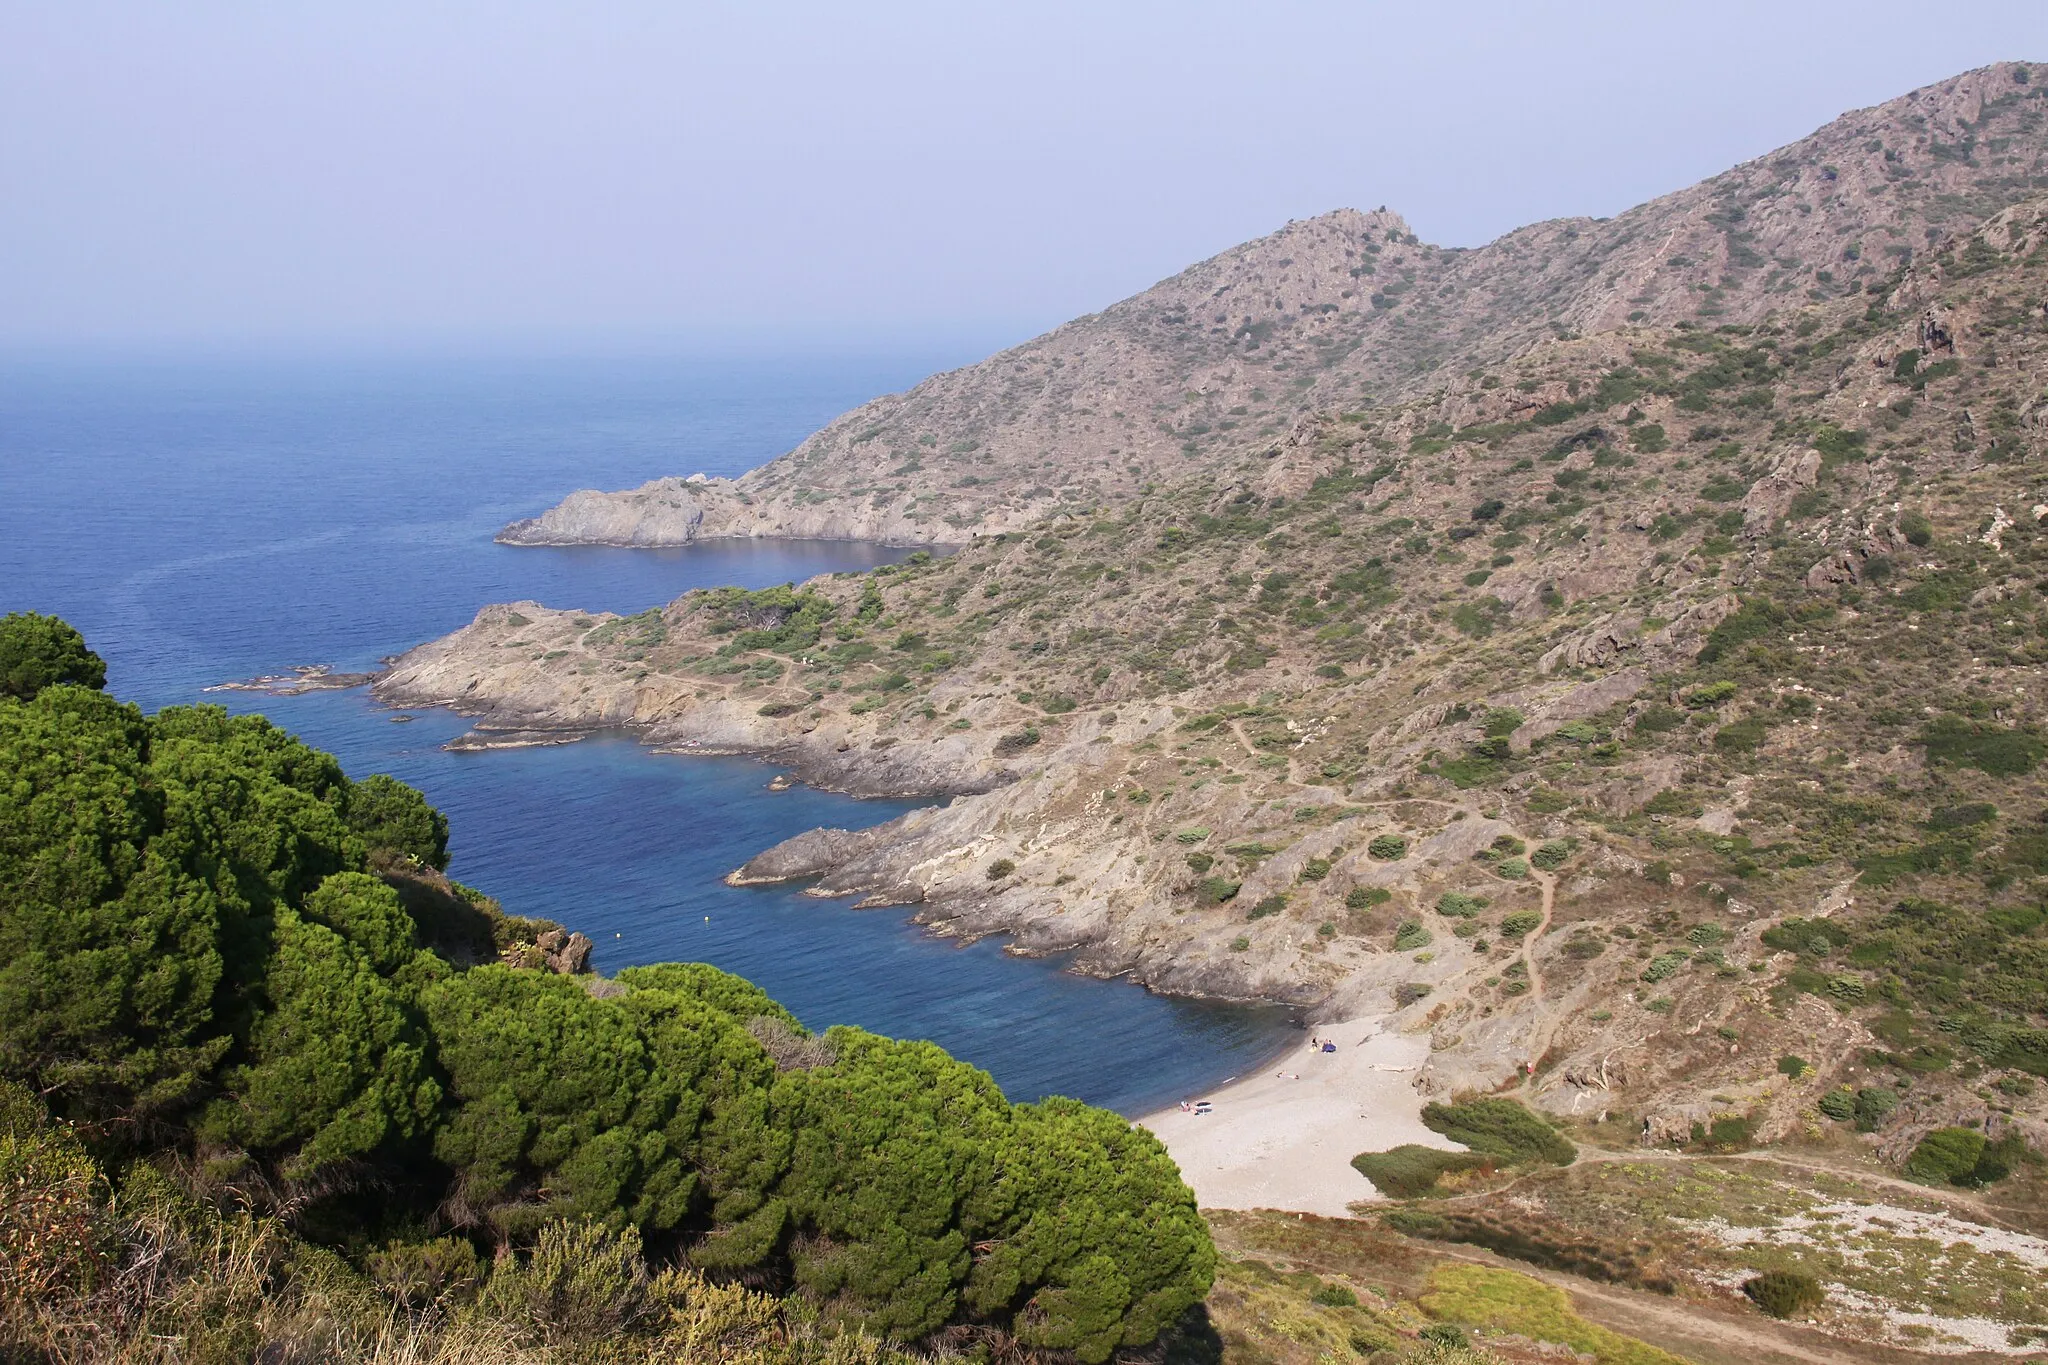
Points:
[(1212, 368)]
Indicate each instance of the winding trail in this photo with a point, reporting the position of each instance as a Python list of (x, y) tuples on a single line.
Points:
[(1542, 1026)]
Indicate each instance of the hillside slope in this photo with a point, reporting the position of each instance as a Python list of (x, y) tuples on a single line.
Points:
[(1675, 722), (1227, 357)]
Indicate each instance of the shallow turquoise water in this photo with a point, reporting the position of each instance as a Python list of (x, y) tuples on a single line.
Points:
[(206, 520)]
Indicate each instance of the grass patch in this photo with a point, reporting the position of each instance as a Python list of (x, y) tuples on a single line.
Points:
[(1503, 1301)]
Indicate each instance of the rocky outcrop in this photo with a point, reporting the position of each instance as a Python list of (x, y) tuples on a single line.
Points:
[(565, 953), (664, 512), (1620, 636), (1770, 497), (671, 512)]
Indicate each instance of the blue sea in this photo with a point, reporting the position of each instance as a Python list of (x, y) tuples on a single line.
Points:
[(211, 517)]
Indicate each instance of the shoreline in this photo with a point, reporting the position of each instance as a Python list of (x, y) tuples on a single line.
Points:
[(1283, 1138)]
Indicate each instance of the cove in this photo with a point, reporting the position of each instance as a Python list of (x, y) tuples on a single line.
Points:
[(208, 521)]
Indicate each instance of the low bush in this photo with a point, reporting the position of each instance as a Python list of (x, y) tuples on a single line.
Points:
[(1458, 905), (1387, 847), (1411, 1171), (1873, 1106), (1017, 743), (1785, 1293), (1987, 748), (1500, 1128), (1962, 1156), (1410, 936)]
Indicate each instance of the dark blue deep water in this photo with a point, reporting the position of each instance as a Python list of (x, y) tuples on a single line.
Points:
[(211, 518)]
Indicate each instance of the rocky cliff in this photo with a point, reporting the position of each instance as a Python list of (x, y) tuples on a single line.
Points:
[(1223, 360)]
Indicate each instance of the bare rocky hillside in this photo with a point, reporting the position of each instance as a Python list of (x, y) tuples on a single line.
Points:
[(1228, 357)]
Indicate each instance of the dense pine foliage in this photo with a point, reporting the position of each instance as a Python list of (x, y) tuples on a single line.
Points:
[(207, 965)]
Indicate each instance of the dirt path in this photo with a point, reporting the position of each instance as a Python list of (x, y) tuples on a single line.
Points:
[(1544, 1027)]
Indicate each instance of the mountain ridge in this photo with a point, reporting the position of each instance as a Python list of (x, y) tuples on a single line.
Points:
[(1221, 360)]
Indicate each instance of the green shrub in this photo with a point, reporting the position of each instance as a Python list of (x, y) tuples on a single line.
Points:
[(1500, 1128), (582, 1282), (1755, 618), (1792, 1065), (1018, 742), (1366, 897), (1267, 906), (1988, 748), (1839, 1105), (1411, 1171), (999, 869), (1784, 1293), (1410, 936), (439, 1273), (1553, 854), (1458, 905), (1664, 966), (1199, 863), (1387, 848), (1659, 719), (1946, 1156), (1710, 695), (1501, 722), (1873, 1106), (1217, 890), (1511, 869), (1916, 528), (1520, 923), (1745, 736), (1481, 617)]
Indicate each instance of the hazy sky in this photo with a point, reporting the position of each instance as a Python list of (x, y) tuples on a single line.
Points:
[(415, 169)]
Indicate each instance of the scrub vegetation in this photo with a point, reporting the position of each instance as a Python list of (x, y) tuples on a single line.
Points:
[(250, 1109)]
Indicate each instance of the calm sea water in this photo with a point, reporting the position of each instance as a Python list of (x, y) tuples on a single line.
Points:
[(216, 518)]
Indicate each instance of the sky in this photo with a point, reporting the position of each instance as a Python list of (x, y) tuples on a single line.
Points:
[(264, 172)]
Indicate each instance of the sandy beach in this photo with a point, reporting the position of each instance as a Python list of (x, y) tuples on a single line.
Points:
[(1284, 1138)]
